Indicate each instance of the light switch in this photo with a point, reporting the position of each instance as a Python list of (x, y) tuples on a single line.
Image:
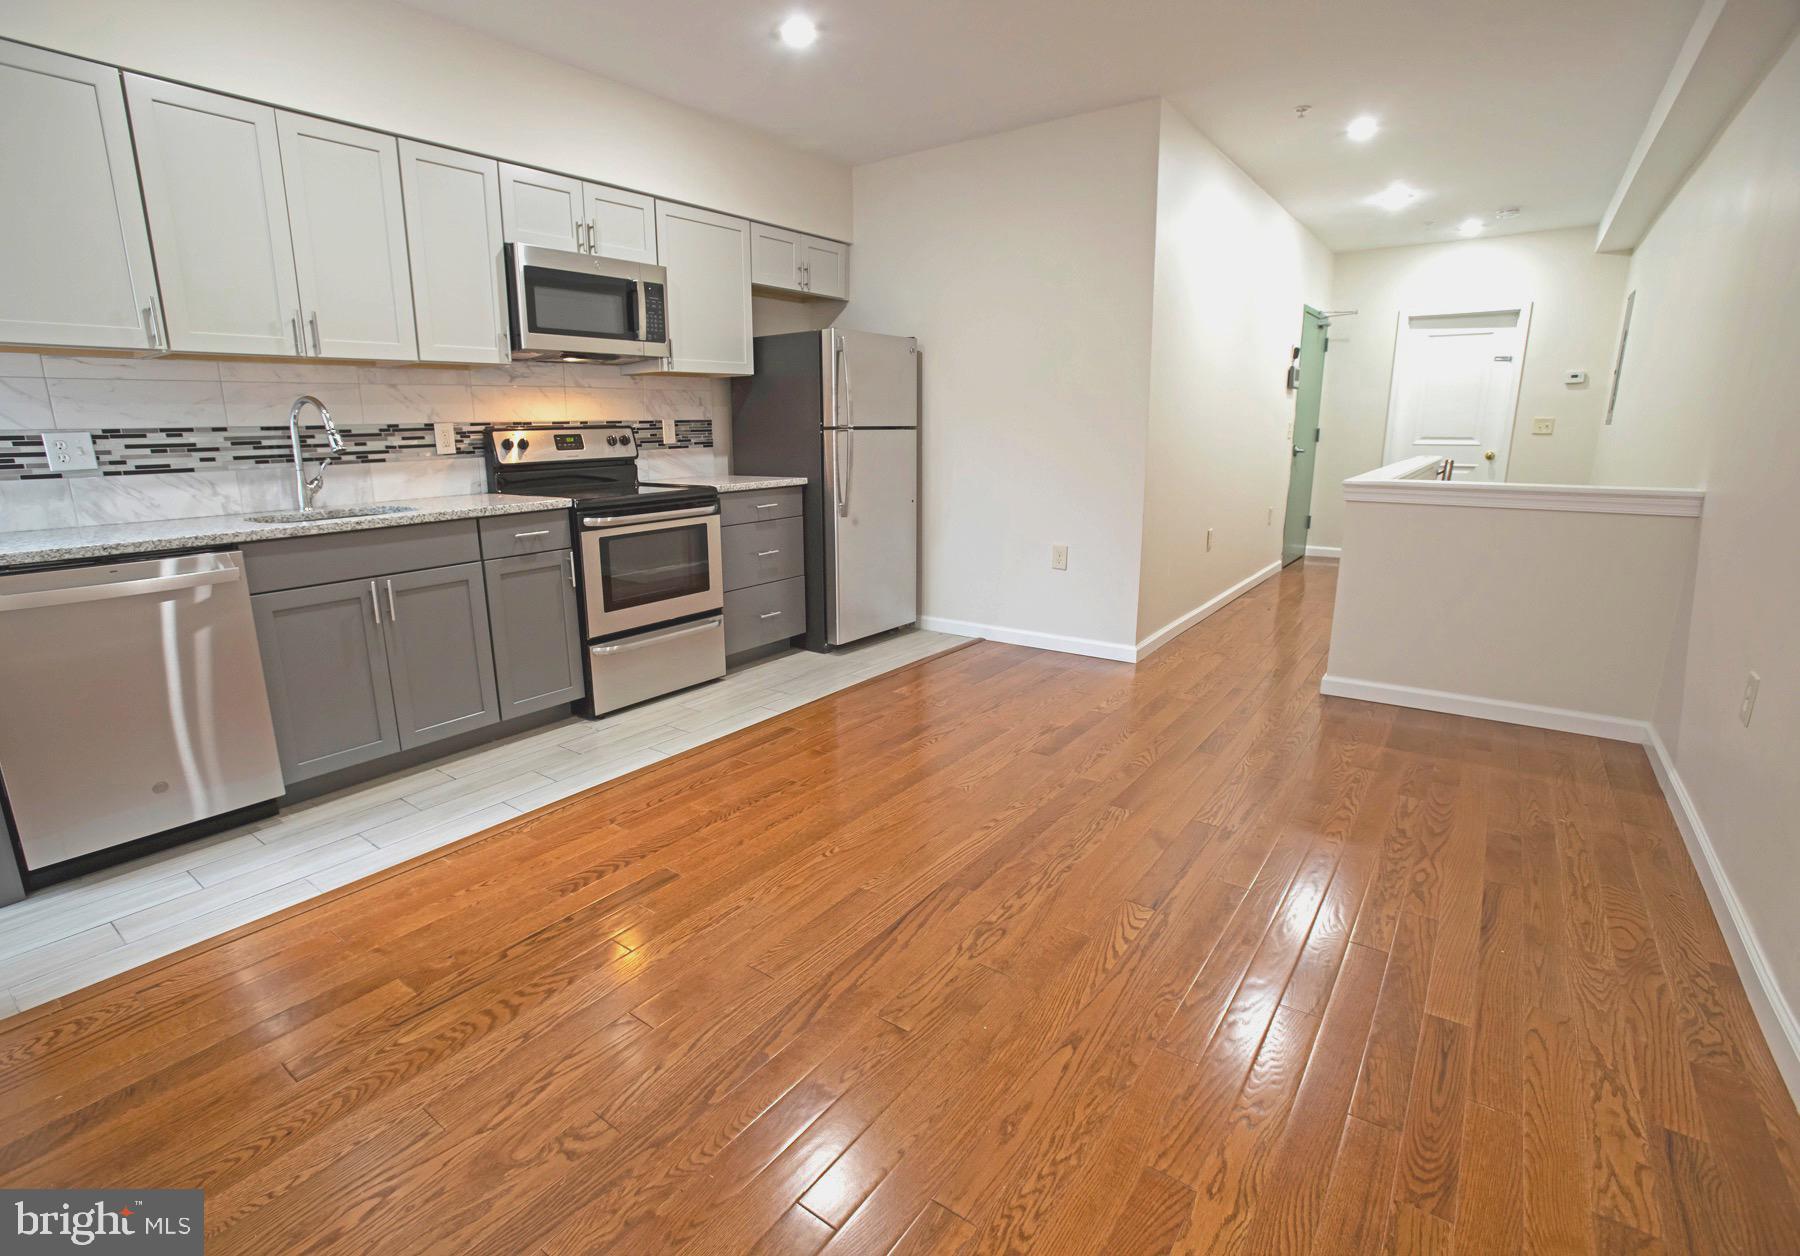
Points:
[(70, 451), (1543, 427)]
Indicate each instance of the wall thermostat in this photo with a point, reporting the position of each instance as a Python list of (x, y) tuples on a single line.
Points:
[(1574, 378)]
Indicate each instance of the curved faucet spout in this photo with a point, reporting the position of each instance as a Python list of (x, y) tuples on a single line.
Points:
[(305, 488)]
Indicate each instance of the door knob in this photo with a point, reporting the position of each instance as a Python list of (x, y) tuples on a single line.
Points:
[(1489, 455), (1298, 450)]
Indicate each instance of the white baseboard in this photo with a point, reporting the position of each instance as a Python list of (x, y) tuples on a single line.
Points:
[(1611, 727), (1324, 551), (1779, 1024), (1175, 627), (1116, 650)]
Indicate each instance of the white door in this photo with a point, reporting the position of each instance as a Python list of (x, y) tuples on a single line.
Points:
[(211, 170), (775, 257), (707, 256), (349, 230), (544, 209), (1456, 388), (621, 224), (453, 237), (826, 267), (74, 247)]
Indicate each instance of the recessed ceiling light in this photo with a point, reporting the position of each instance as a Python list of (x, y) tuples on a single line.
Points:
[(1394, 197), (1469, 227), (798, 31), (1363, 129)]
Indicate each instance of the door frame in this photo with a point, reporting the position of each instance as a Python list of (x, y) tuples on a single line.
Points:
[(1502, 455)]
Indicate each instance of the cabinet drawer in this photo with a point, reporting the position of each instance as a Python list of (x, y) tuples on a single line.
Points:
[(503, 536), (764, 613), (307, 560), (775, 503), (757, 553)]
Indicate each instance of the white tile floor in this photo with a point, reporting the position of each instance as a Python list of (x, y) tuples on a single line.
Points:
[(82, 931)]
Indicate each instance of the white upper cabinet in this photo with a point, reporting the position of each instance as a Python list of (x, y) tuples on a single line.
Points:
[(454, 239), (793, 262), (826, 267), (211, 170), (707, 256), (621, 224), (544, 209), (349, 234), (74, 249)]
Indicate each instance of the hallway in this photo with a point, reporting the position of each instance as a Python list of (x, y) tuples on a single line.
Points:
[(1008, 950)]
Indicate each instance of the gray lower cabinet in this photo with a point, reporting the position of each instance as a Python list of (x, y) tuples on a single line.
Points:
[(440, 655), (326, 663), (537, 631), (763, 544)]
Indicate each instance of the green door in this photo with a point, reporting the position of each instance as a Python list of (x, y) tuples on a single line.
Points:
[(1306, 435)]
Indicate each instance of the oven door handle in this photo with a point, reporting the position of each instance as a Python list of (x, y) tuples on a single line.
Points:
[(613, 521), (658, 638)]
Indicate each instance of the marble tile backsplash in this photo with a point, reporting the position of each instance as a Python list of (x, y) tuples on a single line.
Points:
[(179, 438)]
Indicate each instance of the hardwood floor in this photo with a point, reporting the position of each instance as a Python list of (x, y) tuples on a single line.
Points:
[(1007, 951)]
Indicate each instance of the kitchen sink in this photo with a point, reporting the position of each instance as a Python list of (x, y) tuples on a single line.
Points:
[(334, 512)]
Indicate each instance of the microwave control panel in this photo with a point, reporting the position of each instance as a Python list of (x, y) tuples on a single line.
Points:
[(655, 324)]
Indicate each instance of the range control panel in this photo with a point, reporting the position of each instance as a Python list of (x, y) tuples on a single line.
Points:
[(514, 445)]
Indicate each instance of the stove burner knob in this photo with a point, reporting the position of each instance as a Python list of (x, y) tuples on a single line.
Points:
[(612, 440), (506, 444), (524, 444)]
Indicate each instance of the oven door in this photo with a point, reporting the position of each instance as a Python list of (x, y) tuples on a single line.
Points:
[(564, 303), (649, 569)]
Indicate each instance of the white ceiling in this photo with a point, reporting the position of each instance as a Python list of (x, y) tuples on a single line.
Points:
[(1484, 103)]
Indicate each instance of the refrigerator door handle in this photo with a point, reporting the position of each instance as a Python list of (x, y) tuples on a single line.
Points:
[(832, 472), (849, 470)]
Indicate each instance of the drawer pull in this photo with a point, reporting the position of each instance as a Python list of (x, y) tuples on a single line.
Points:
[(767, 505), (766, 553), (520, 536), (768, 614)]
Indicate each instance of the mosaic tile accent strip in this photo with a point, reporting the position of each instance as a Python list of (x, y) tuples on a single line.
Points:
[(160, 451)]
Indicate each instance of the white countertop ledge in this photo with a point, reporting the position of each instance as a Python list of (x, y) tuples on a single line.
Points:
[(733, 483), (108, 540), (1408, 483)]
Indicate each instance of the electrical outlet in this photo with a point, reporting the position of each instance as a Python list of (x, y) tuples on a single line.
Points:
[(1543, 427), (1747, 707), (70, 451), (1271, 518), (669, 435), (1059, 558), (1209, 540), (446, 437)]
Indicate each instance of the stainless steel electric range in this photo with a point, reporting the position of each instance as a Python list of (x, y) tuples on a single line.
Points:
[(652, 585)]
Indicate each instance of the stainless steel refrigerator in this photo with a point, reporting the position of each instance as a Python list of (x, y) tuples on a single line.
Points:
[(842, 409)]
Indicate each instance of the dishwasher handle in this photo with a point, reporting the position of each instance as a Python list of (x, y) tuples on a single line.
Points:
[(223, 573)]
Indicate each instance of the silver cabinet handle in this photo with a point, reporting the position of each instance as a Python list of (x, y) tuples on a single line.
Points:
[(150, 327), (505, 343), (540, 532), (571, 569), (318, 350), (294, 326), (766, 553), (767, 505), (375, 601), (393, 615), (769, 615)]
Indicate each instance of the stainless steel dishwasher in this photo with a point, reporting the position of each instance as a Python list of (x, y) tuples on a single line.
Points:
[(131, 702)]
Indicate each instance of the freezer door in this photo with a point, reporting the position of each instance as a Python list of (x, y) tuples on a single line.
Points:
[(871, 381), (871, 532)]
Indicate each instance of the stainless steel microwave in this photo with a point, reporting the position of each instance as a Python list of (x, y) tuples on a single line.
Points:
[(579, 306)]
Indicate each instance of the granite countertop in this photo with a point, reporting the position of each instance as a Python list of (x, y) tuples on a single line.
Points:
[(55, 545), (735, 483)]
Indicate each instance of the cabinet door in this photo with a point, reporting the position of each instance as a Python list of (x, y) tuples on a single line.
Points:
[(211, 170), (73, 243), (621, 224), (826, 267), (537, 631), (707, 256), (326, 666), (543, 209), (454, 239), (439, 652), (349, 232), (775, 257)]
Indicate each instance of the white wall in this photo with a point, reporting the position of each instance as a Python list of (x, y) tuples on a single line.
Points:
[(1578, 298), (1233, 270), (1711, 390), (381, 65), (1022, 262)]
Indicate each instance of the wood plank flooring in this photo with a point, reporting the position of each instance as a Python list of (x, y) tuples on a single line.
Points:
[(1006, 951)]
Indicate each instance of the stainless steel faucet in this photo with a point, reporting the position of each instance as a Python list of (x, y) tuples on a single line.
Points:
[(305, 490)]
